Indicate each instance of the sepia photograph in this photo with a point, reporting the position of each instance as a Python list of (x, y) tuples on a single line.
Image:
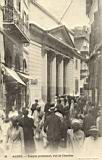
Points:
[(51, 79)]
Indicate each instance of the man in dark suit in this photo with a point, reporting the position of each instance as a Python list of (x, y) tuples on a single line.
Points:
[(28, 129), (52, 127), (33, 108)]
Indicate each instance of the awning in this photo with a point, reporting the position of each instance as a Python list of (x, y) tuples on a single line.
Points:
[(26, 76), (14, 75)]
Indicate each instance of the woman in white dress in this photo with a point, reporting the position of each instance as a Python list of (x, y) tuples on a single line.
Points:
[(13, 112), (15, 138)]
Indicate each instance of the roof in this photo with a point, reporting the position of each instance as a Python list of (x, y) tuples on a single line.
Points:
[(61, 26)]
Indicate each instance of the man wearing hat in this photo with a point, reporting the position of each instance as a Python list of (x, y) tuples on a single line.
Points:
[(33, 108), (52, 127)]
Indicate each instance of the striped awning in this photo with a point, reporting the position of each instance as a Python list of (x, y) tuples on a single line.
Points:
[(13, 74)]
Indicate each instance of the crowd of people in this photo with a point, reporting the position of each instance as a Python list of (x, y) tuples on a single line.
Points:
[(70, 124)]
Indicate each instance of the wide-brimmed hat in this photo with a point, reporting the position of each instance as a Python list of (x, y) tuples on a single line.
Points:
[(93, 129)]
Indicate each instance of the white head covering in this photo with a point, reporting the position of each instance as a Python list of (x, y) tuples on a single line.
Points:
[(75, 121)]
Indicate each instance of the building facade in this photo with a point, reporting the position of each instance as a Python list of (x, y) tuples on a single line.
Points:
[(15, 35), (81, 39), (52, 57), (38, 58), (52, 62), (93, 10)]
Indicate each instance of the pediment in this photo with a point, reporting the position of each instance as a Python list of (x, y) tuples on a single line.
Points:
[(62, 34)]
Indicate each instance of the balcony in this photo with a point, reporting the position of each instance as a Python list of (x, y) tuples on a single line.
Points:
[(14, 25)]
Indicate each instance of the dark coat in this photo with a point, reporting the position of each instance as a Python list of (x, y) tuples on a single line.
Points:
[(88, 121), (33, 108), (28, 126), (47, 107), (60, 108), (53, 127)]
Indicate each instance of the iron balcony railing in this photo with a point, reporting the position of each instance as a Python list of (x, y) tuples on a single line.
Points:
[(10, 15)]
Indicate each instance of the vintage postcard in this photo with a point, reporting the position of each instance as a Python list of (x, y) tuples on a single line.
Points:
[(50, 79)]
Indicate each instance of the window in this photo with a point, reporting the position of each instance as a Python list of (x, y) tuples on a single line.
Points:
[(24, 65), (8, 58), (19, 5), (17, 62), (76, 64), (25, 18), (76, 86)]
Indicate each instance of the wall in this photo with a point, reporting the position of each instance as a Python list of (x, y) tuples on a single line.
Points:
[(35, 70)]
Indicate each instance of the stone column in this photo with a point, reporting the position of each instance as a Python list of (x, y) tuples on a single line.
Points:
[(66, 76), (44, 75), (60, 75), (53, 77), (70, 78)]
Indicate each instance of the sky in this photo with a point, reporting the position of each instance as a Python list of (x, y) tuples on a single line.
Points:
[(75, 16)]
